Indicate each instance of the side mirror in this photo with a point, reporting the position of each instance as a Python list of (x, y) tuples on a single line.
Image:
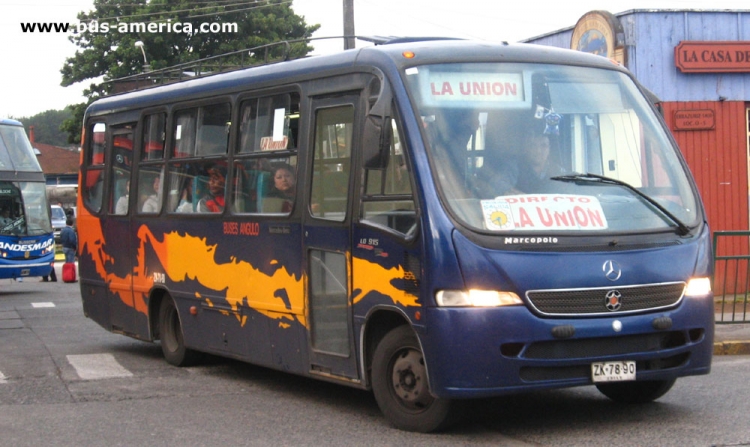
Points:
[(376, 142)]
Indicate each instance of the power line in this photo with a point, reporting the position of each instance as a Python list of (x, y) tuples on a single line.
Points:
[(259, 3)]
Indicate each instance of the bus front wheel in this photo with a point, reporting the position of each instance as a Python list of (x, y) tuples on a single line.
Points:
[(400, 385), (170, 333), (636, 392)]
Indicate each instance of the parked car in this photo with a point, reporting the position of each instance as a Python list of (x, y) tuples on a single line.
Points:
[(58, 220)]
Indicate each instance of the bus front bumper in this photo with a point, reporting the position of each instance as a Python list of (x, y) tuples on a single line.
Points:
[(481, 352)]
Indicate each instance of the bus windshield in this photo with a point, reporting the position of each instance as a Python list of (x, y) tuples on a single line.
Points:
[(23, 209), (18, 154), (547, 148)]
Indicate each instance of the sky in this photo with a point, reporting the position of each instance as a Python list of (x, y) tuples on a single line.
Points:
[(31, 62)]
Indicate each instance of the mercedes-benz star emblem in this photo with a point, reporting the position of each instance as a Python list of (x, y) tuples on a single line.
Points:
[(612, 270), (613, 301)]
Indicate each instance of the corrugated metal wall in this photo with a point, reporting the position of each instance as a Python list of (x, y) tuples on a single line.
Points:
[(718, 159)]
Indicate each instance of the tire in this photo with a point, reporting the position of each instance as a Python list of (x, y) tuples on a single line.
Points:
[(400, 385), (170, 333), (636, 392)]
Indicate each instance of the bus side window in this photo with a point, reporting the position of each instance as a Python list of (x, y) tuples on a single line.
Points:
[(181, 180), (268, 131), (154, 134), (250, 185), (94, 180), (212, 135), (258, 190), (122, 150), (269, 123), (388, 199), (149, 190), (184, 133)]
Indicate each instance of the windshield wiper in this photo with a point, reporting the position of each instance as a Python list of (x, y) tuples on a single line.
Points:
[(595, 178)]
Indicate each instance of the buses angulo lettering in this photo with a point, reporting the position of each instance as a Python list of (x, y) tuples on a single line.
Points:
[(242, 228)]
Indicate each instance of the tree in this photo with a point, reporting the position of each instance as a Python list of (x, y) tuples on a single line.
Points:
[(171, 32), (47, 126)]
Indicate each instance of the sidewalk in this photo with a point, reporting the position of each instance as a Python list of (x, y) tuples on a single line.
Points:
[(732, 339)]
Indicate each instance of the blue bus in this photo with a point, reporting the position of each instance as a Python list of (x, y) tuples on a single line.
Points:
[(434, 221), (27, 245)]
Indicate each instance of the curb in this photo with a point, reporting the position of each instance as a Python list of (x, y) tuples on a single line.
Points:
[(732, 348)]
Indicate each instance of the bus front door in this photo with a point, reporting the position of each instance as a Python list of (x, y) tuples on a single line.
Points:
[(327, 233)]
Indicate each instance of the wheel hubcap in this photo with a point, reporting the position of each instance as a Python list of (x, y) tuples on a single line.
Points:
[(409, 379)]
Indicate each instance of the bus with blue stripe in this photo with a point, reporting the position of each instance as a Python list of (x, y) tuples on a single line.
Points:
[(27, 244), (434, 221)]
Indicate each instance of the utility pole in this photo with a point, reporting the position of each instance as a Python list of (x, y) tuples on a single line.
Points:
[(348, 24)]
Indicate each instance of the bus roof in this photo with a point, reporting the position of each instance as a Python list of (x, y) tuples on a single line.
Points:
[(10, 122), (386, 57)]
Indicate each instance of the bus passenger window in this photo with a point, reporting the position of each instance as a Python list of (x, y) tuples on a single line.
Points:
[(269, 124), (154, 132), (210, 187), (181, 198), (184, 134), (121, 192), (149, 191), (119, 179), (282, 190), (265, 185), (212, 135), (94, 180)]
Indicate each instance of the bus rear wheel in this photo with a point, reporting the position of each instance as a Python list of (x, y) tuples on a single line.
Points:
[(400, 385), (636, 392), (170, 333)]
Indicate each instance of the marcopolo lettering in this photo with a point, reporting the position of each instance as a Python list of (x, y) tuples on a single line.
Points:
[(530, 240)]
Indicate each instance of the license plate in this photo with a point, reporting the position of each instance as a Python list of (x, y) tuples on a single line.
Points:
[(613, 371)]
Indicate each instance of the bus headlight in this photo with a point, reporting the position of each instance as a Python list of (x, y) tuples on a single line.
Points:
[(476, 298), (698, 287)]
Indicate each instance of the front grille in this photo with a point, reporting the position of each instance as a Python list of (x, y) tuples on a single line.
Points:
[(570, 302)]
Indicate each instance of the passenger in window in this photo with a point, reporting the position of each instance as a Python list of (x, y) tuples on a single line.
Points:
[(284, 186), (213, 201), (153, 203), (122, 203), (186, 198)]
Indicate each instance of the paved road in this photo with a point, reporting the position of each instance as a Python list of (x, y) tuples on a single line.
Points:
[(64, 381)]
